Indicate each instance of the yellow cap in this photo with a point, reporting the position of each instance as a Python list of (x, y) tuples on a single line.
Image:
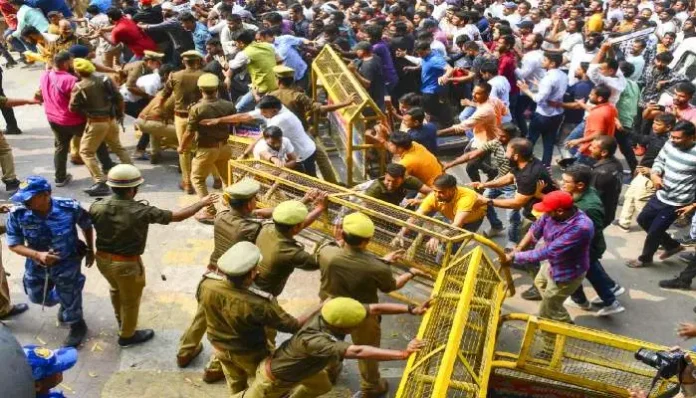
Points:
[(244, 189), (283, 71), (290, 212), (83, 65), (239, 259), (191, 54), (208, 80), (359, 225), (152, 55), (343, 312)]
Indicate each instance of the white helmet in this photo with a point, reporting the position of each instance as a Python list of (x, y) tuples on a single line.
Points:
[(124, 176)]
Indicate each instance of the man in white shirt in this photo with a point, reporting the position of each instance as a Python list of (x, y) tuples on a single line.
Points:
[(500, 86), (531, 71), (510, 14), (233, 25), (666, 23), (582, 53), (272, 111), (495, 10), (440, 9), (606, 71), (567, 40), (275, 148), (541, 25), (681, 9)]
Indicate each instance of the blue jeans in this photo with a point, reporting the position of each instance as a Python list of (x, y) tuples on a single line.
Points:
[(246, 103), (545, 127), (17, 43), (655, 219), (578, 132), (601, 282), (65, 283), (469, 110), (514, 217), (692, 231)]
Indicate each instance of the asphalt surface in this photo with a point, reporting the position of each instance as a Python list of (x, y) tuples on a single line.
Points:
[(180, 252)]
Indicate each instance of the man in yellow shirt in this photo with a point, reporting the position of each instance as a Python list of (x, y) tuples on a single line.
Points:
[(595, 23), (458, 205), (417, 160)]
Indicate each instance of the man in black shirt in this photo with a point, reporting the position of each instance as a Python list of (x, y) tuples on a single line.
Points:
[(607, 174), (368, 69)]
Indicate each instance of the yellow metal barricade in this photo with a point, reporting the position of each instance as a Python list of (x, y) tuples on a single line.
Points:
[(563, 354)]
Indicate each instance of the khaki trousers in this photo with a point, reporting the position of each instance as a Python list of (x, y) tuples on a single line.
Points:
[(6, 160), (75, 145), (158, 132), (553, 294), (192, 337), (324, 163), (264, 386), (126, 282), (95, 134), (5, 302), (240, 369), (206, 161), (636, 197), (369, 333), (180, 125)]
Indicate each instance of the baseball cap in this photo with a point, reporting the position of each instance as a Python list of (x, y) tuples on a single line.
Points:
[(526, 25), (553, 201), (45, 362), (510, 4), (31, 186)]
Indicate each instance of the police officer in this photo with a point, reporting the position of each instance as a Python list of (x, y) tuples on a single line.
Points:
[(122, 224), (299, 103), (241, 222), (43, 229), (237, 314), (183, 85), (299, 364), (213, 152), (351, 271), (47, 367), (102, 104)]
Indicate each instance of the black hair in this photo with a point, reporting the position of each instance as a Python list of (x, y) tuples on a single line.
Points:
[(509, 40), (272, 132), (421, 45), (602, 90), (374, 33), (62, 56), (273, 17), (612, 63), (489, 67), (522, 147), (353, 240), (417, 113), (687, 88), (214, 42), (187, 17), (270, 102), (29, 30), (668, 119), (396, 170), (411, 99), (627, 68), (485, 86), (686, 127), (665, 56), (445, 181), (401, 139), (580, 173), (608, 143), (114, 13), (470, 45), (510, 129), (461, 39), (234, 18), (556, 59), (245, 36), (92, 9)]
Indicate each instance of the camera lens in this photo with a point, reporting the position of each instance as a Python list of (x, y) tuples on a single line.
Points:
[(647, 357)]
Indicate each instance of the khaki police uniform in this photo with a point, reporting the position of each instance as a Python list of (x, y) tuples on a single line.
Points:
[(6, 159), (183, 85), (5, 302), (355, 273), (121, 226), (90, 97), (157, 119)]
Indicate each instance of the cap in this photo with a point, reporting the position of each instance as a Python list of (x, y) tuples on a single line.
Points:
[(152, 55), (79, 51), (208, 80), (167, 5), (45, 362), (553, 201), (83, 65), (124, 176), (363, 45), (239, 259), (30, 187), (146, 2), (283, 71), (510, 4), (290, 212), (359, 225), (343, 312), (526, 25), (244, 189), (191, 54)]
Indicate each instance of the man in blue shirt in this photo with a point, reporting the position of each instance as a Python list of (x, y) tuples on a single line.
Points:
[(44, 230), (421, 132), (47, 6), (434, 70), (198, 30)]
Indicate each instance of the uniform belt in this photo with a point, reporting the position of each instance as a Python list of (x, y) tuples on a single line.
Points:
[(117, 257), (99, 119), (267, 368), (212, 144), (153, 118), (181, 113)]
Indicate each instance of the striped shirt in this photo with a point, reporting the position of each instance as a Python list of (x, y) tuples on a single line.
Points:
[(678, 170), (567, 246), (498, 159)]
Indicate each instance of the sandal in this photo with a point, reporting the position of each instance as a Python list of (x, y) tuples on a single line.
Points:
[(637, 264)]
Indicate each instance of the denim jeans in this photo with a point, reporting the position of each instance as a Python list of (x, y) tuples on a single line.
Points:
[(246, 103), (623, 138), (545, 127), (577, 132), (692, 231), (523, 103), (655, 219), (514, 217), (309, 165), (601, 282)]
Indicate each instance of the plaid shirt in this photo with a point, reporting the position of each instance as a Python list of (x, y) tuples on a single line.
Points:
[(567, 246), (651, 77)]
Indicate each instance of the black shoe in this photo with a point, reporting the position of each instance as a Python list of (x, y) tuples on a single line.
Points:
[(532, 294), (687, 241), (13, 131), (12, 185), (78, 331), (65, 181), (675, 283), (60, 315), (566, 162), (139, 337), (688, 257), (98, 189), (11, 65), (16, 309)]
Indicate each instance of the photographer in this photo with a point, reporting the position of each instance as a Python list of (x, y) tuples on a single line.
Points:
[(686, 378)]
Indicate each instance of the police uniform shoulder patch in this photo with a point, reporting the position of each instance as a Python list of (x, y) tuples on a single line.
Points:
[(261, 293)]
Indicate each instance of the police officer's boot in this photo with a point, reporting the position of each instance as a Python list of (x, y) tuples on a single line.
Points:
[(140, 336), (78, 331), (98, 189)]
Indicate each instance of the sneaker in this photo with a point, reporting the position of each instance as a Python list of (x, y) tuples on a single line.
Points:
[(141, 155), (532, 294), (183, 361), (613, 308), (155, 158), (98, 189), (65, 181), (12, 185), (675, 283), (687, 241), (78, 331), (587, 306), (493, 232), (566, 162), (15, 309), (139, 337), (13, 131), (622, 227)]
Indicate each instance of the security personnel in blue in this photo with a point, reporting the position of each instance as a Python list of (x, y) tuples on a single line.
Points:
[(237, 314), (47, 367), (44, 230), (122, 223)]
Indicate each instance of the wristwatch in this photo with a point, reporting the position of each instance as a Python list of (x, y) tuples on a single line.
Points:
[(490, 202)]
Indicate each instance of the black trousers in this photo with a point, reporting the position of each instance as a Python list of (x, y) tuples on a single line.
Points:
[(623, 139), (63, 135), (7, 113), (133, 109)]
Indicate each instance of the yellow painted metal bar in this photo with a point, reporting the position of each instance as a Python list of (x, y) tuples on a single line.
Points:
[(489, 346), (469, 387), (577, 380)]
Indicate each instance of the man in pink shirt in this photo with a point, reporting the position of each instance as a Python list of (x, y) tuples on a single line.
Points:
[(681, 102)]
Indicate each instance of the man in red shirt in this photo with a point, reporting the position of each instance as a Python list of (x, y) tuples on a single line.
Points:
[(601, 120), (506, 67), (127, 32)]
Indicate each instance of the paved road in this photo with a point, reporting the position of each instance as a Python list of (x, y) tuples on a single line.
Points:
[(180, 252)]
